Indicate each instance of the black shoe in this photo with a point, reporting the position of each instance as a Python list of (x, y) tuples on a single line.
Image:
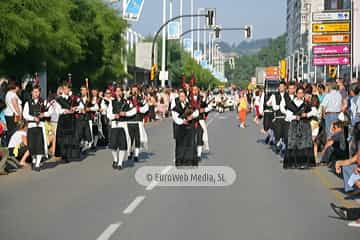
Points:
[(267, 139), (114, 165), (136, 159), (119, 167), (37, 169), (340, 211), (130, 156), (198, 159)]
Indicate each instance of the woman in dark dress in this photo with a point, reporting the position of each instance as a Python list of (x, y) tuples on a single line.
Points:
[(299, 153)]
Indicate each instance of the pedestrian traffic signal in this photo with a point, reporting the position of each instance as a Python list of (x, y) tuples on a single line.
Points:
[(332, 71), (153, 72), (248, 32), (210, 17)]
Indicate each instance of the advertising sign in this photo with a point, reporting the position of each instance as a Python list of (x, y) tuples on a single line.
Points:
[(331, 16), (336, 49), (332, 38), (332, 61), (331, 27), (133, 9)]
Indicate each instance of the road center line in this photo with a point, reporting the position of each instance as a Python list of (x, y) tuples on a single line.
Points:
[(109, 231), (134, 204)]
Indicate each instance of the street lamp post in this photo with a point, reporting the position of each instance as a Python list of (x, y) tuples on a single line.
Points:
[(163, 52), (192, 26)]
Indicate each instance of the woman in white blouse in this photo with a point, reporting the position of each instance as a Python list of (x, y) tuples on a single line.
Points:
[(13, 110)]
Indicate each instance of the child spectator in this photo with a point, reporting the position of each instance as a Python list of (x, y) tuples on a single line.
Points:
[(18, 145)]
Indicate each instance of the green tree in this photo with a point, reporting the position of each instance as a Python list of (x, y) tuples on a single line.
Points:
[(245, 65)]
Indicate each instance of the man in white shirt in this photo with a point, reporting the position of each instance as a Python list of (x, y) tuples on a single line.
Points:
[(332, 105)]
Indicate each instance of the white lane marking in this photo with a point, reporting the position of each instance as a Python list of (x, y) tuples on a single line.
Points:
[(109, 231), (134, 204), (153, 184)]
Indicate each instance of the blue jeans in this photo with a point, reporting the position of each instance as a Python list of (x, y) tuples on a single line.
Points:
[(329, 119), (347, 172)]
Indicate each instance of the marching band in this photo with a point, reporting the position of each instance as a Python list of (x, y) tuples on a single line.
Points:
[(68, 126)]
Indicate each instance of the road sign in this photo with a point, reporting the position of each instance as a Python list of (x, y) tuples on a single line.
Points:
[(133, 9), (187, 43), (343, 60), (204, 63), (331, 27), (197, 54), (164, 76), (174, 30), (272, 72), (331, 16), (331, 38), (337, 49)]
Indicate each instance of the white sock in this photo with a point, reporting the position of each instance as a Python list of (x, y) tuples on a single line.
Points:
[(137, 151), (96, 139), (34, 159), (38, 160), (199, 150), (121, 156), (115, 155)]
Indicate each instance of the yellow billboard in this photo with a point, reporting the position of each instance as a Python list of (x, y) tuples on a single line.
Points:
[(331, 27)]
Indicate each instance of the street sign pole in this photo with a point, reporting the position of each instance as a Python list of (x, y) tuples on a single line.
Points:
[(352, 40)]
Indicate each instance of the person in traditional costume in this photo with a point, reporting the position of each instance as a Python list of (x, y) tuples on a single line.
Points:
[(184, 131), (95, 118), (67, 140), (119, 142), (34, 113), (278, 124), (84, 122), (104, 104), (299, 153), (136, 123), (199, 103)]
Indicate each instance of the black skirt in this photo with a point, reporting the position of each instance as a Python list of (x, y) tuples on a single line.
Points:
[(67, 140), (185, 148), (36, 141), (267, 121), (199, 136), (83, 130), (117, 139), (299, 151), (280, 128), (134, 132)]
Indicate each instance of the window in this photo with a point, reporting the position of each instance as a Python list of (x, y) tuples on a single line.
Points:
[(337, 4)]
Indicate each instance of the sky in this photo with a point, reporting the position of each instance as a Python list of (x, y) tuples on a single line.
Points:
[(267, 16)]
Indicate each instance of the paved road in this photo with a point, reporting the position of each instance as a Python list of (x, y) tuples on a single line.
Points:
[(88, 200)]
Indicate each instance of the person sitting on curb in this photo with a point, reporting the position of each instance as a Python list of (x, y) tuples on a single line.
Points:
[(335, 147)]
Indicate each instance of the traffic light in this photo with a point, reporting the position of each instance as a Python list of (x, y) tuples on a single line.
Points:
[(248, 32), (153, 72), (332, 71), (210, 17), (217, 32)]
